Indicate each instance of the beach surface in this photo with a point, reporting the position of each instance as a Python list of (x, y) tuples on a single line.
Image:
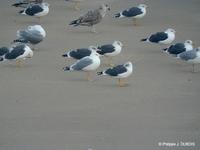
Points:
[(44, 108)]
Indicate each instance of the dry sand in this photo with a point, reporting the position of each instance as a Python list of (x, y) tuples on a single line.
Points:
[(44, 108)]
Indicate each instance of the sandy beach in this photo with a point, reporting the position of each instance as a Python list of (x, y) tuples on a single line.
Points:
[(44, 108)]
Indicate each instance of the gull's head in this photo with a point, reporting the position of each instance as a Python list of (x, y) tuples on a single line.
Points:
[(198, 49), (189, 42), (94, 53), (170, 30), (45, 4), (40, 29), (142, 6), (93, 48), (104, 7), (118, 43), (128, 64)]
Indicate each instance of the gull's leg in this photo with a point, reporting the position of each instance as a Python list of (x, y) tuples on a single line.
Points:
[(39, 19), (76, 6), (110, 62), (33, 47), (88, 76), (93, 30), (18, 63), (135, 22), (193, 68), (121, 83)]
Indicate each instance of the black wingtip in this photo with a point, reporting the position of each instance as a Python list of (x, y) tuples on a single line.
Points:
[(99, 73), (1, 59), (19, 4), (75, 22), (143, 40), (117, 15), (99, 52), (21, 11), (65, 55), (19, 41), (164, 49), (16, 4), (66, 68)]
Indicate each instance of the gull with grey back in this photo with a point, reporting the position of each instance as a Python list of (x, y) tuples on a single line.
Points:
[(32, 34), (192, 57), (86, 64)]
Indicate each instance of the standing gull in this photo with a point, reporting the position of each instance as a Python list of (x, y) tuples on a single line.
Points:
[(134, 12), (76, 6), (37, 10), (119, 72), (92, 17), (87, 64), (110, 50), (80, 53), (165, 37), (192, 57), (18, 53), (178, 48), (32, 34)]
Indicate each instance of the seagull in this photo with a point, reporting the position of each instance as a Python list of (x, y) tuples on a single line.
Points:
[(26, 3), (110, 50), (87, 64), (3, 51), (134, 12), (80, 53), (91, 18), (76, 7), (18, 53), (37, 10), (119, 72), (165, 37), (32, 34), (178, 48), (192, 57)]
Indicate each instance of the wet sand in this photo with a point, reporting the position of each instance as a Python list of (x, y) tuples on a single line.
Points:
[(44, 108)]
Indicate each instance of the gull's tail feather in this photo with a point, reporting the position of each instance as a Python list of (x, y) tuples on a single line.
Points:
[(144, 40), (75, 22), (20, 4), (1, 59), (65, 55), (21, 12), (100, 73), (66, 68), (100, 52), (119, 15), (165, 49)]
